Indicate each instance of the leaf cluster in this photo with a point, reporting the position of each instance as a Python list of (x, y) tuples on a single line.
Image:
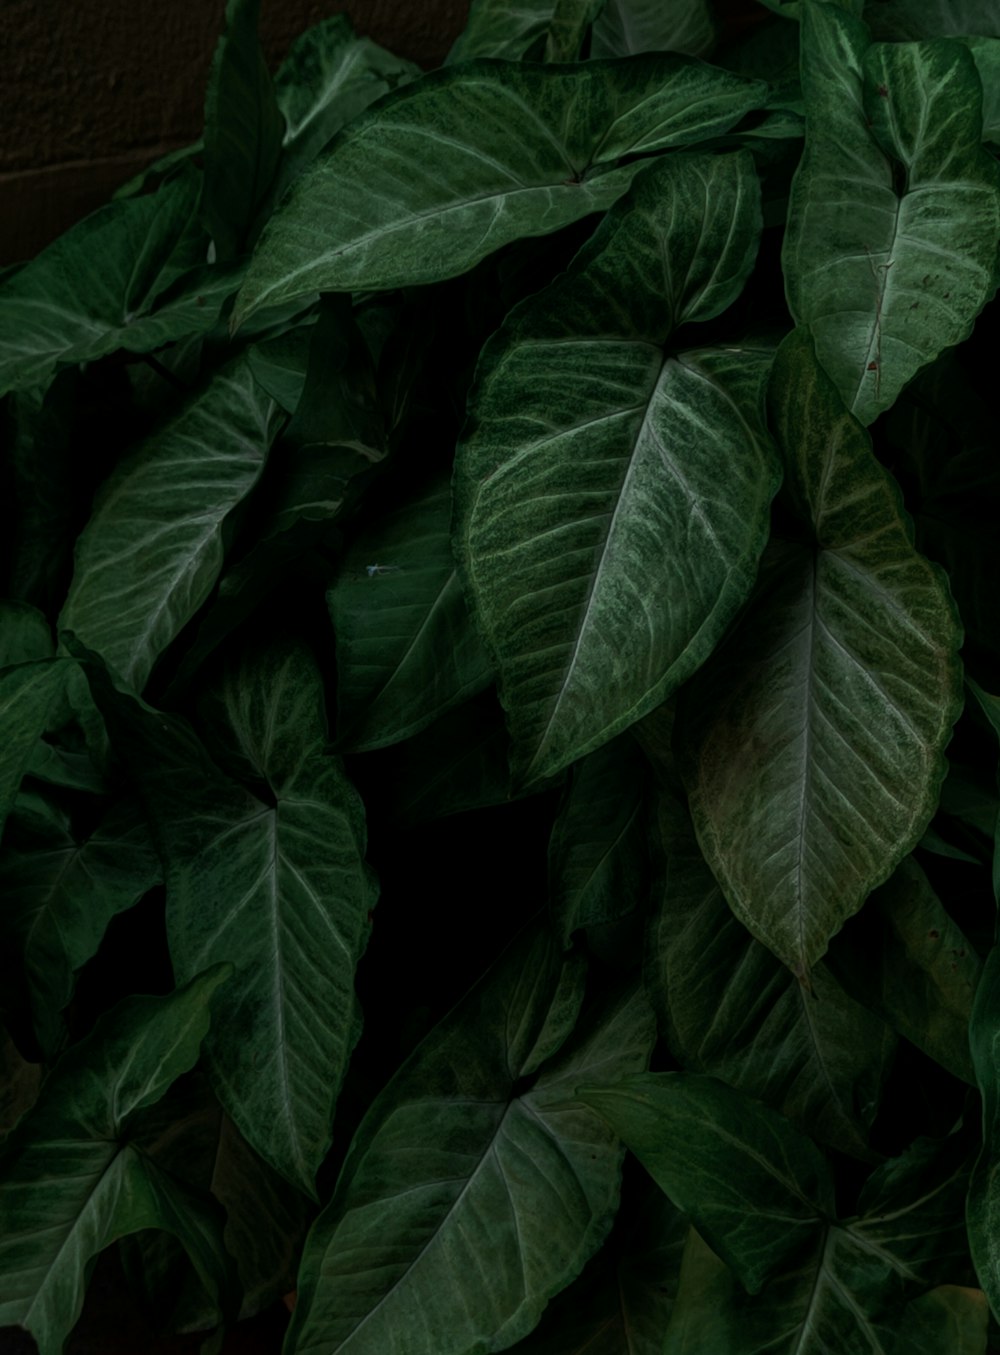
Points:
[(499, 697)]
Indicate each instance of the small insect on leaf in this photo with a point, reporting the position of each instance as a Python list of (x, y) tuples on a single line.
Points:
[(873, 367)]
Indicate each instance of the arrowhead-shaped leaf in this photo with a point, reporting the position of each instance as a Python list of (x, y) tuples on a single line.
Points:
[(755, 1187), (276, 885), (462, 1169), (59, 896), (894, 219), (444, 172), (104, 286), (612, 496), (814, 742), (73, 1183), (728, 1007), (153, 548), (406, 648)]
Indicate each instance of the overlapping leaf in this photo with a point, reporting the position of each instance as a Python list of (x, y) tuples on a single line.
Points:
[(551, 30), (401, 197), (59, 896), (891, 249), (73, 1183), (470, 1165), (272, 879), (612, 497), (814, 742), (406, 648), (153, 548), (625, 27), (728, 1007), (116, 280)]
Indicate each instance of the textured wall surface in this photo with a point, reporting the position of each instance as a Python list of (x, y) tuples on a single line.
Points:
[(92, 90)]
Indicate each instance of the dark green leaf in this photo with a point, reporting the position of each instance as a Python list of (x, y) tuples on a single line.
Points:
[(983, 1207), (400, 198), (911, 20), (894, 265), (29, 693), (243, 131), (626, 27), (729, 1008), (153, 548), (59, 896), (406, 650), (753, 1185), (612, 497), (599, 849), (277, 885), (104, 285), (73, 1183), (814, 741), (460, 1170)]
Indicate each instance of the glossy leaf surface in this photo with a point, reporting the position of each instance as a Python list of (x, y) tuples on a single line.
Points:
[(526, 162), (611, 496), (814, 743)]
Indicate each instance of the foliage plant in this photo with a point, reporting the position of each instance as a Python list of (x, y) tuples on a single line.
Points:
[(554, 499)]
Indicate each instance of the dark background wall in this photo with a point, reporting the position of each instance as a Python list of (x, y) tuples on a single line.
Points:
[(93, 90)]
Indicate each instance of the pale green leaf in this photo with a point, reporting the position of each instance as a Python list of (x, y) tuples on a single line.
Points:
[(461, 1170), (728, 1007), (72, 1182), (612, 495), (244, 129), (103, 285), (626, 27), (153, 548), (894, 219), (755, 1187), (271, 878), (814, 740), (444, 172), (406, 649), (60, 894)]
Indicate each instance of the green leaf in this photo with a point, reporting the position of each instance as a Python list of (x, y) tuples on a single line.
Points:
[(986, 54), (516, 29), (406, 650), (29, 693), (626, 27), (20, 1083), (605, 551), (153, 548), (756, 1188), (891, 249), (911, 20), (919, 971), (271, 878), (329, 76), (25, 634), (620, 1304), (59, 895), (462, 1169), (103, 285), (983, 1205), (244, 129), (191, 1138), (400, 198), (729, 1008), (73, 1183), (813, 745), (599, 849)]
